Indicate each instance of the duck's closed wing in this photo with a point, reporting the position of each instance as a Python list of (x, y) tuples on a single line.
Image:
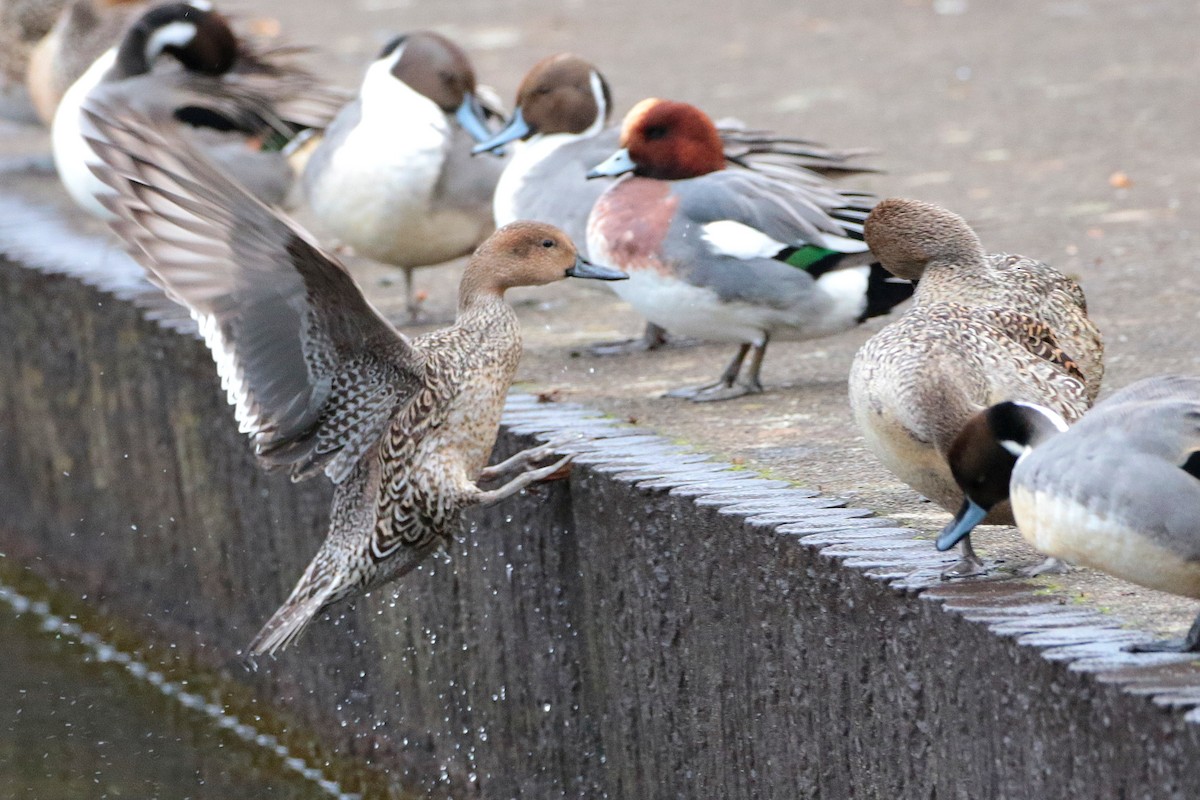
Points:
[(313, 370)]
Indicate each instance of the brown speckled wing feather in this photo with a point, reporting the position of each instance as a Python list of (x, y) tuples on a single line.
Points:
[(1038, 338), (312, 369)]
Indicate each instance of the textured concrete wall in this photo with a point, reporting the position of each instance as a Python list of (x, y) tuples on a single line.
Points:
[(659, 626)]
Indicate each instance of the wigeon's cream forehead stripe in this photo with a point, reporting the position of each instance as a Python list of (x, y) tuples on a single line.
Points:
[(636, 115)]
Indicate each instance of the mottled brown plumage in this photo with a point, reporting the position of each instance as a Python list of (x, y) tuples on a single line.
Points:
[(318, 378), (981, 329)]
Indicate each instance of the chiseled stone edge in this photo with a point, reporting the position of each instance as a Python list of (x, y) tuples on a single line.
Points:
[(1085, 640)]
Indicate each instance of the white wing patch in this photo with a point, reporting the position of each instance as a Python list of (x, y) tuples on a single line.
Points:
[(737, 240), (233, 377), (848, 289)]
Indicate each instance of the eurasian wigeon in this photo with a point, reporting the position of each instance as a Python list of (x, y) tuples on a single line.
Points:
[(730, 255), (561, 119)]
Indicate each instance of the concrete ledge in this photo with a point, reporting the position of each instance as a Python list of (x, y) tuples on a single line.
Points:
[(660, 626)]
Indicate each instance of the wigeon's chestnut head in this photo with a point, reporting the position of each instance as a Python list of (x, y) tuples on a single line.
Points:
[(560, 94), (906, 235), (667, 140)]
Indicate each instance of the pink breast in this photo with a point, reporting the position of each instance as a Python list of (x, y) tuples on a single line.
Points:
[(632, 219)]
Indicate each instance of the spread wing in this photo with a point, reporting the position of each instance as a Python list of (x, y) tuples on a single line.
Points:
[(313, 371)]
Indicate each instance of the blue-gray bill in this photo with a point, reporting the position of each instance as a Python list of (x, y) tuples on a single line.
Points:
[(582, 268), (473, 118), (517, 128), (970, 515), (618, 163)]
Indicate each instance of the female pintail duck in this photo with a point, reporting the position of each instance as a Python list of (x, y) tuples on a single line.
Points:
[(82, 31), (230, 101), (561, 117), (393, 176), (730, 255), (1119, 491), (322, 383), (981, 329)]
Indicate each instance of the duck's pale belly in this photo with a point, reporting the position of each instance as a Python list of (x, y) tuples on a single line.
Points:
[(913, 461), (688, 310), (385, 211), (1064, 529)]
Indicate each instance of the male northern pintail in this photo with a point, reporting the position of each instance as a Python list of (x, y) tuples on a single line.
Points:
[(1118, 491), (561, 117), (393, 176), (322, 383), (981, 329), (730, 255), (235, 104)]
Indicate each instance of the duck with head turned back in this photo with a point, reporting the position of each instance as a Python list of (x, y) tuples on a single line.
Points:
[(561, 118), (318, 378), (393, 176), (1118, 491), (730, 255), (182, 65), (982, 329)]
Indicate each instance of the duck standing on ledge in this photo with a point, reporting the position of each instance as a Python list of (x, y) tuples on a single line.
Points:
[(318, 378), (731, 256), (224, 99), (982, 328), (1118, 491), (561, 115), (393, 176)]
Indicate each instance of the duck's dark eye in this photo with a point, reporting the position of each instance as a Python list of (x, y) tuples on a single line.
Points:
[(655, 132), (547, 243)]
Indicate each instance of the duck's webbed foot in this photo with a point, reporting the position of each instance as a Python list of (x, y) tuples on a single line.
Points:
[(552, 472), (1188, 644), (652, 338), (728, 386), (524, 458), (1051, 566), (969, 566), (714, 392)]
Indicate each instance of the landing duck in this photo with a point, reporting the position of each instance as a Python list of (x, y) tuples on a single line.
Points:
[(320, 381)]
